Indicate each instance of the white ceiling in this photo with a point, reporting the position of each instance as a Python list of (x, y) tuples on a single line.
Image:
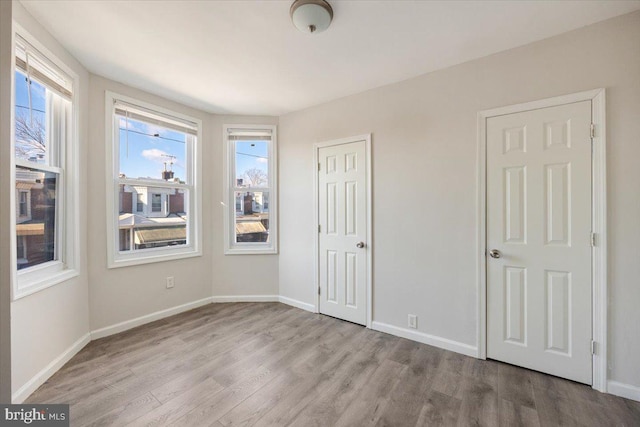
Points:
[(246, 57)]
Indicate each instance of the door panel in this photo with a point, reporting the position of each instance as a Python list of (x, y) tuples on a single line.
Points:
[(343, 223), (539, 219)]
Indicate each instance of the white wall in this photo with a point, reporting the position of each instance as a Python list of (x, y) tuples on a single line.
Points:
[(122, 294), (6, 192), (47, 323), (424, 179)]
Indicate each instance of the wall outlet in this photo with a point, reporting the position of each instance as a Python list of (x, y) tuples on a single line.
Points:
[(170, 282), (413, 321)]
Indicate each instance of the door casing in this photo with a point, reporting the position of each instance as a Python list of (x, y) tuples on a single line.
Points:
[(369, 239), (599, 221)]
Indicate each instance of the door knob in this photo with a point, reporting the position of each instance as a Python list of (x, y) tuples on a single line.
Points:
[(360, 245), (494, 253)]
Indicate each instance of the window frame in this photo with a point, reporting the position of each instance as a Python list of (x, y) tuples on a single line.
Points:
[(116, 258), (42, 276), (231, 247)]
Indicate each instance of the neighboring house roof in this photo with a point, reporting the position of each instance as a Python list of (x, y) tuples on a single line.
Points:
[(160, 234), (129, 220), (250, 227), (28, 179)]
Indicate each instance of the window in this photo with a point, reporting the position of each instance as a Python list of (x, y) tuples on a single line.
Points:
[(153, 191), (44, 158), (23, 204), (139, 203), (250, 218), (156, 203)]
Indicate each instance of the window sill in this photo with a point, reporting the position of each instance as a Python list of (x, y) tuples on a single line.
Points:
[(251, 251), (28, 286), (152, 257)]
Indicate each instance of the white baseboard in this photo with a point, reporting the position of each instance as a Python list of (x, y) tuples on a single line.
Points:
[(423, 338), (32, 385), (129, 324), (624, 390), (298, 304), (245, 298)]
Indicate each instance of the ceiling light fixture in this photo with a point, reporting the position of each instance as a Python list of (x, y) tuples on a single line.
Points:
[(311, 16)]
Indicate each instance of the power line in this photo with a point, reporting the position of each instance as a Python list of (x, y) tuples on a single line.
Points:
[(27, 108), (156, 135), (252, 155)]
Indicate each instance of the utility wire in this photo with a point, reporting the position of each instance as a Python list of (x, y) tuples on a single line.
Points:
[(27, 108), (151, 134), (252, 155)]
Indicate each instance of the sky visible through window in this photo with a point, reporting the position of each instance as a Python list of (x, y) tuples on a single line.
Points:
[(252, 155), (146, 149), (30, 142)]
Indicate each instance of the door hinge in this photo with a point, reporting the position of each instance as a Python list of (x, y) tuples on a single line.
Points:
[(593, 347), (593, 131), (318, 228), (593, 240), (318, 290), (319, 166)]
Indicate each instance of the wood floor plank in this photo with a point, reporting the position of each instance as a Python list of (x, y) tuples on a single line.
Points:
[(512, 414), (268, 364), (514, 384), (408, 396), (180, 405), (553, 410), (309, 387), (374, 396), (479, 403), (125, 414), (449, 383), (221, 403), (329, 405), (249, 411), (439, 410)]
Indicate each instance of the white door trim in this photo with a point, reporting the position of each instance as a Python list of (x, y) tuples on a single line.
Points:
[(599, 222), (316, 241)]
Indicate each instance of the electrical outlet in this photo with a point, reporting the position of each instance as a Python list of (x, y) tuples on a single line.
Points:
[(170, 282), (413, 321)]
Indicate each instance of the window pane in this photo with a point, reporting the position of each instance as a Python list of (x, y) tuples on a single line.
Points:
[(23, 207), (252, 216), (36, 231), (160, 218), (151, 151), (30, 120), (139, 203), (156, 202), (21, 247), (252, 163)]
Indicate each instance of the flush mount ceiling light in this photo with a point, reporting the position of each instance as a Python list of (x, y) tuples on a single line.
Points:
[(311, 16)]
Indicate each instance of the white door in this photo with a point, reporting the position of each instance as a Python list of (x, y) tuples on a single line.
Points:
[(539, 240), (342, 213)]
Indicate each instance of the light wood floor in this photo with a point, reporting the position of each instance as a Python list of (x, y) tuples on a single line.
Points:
[(271, 364)]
